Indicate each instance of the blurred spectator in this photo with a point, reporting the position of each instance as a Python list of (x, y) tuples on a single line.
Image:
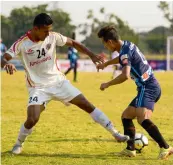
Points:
[(3, 48), (73, 57)]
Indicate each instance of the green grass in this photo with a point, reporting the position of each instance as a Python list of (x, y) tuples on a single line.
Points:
[(68, 136)]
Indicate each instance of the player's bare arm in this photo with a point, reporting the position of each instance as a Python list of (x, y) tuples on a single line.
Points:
[(81, 48), (10, 68), (107, 63), (125, 75)]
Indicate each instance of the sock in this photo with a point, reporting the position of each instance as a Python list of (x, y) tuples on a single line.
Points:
[(154, 132), (23, 133), (99, 117), (129, 129)]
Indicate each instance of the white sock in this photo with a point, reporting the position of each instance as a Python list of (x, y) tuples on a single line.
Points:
[(23, 133), (99, 117)]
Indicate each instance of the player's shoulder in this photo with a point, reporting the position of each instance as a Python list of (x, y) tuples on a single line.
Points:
[(127, 48), (22, 38), (125, 51), (127, 45), (54, 34), (20, 41)]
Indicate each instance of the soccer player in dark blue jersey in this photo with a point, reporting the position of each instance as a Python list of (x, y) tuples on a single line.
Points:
[(134, 65)]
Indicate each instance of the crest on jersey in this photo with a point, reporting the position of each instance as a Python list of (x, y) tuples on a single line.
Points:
[(48, 46)]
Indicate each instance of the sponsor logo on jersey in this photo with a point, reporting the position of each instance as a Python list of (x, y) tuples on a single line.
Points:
[(40, 61), (29, 51), (48, 46)]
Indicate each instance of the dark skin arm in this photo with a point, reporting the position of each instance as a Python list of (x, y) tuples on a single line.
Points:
[(81, 48), (10, 68), (125, 75)]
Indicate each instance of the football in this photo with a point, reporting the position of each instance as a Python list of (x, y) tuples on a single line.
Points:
[(141, 141)]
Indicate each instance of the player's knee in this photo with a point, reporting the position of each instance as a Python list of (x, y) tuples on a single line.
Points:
[(31, 121), (124, 115), (140, 120), (84, 104), (88, 107)]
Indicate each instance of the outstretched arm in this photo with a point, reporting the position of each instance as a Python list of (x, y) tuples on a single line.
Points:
[(81, 48), (10, 68), (119, 79)]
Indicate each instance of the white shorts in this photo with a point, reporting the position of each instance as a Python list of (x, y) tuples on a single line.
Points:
[(64, 93)]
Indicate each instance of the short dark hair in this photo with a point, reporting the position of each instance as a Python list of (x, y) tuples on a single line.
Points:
[(108, 33), (42, 19)]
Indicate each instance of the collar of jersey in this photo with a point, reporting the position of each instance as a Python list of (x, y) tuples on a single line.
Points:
[(29, 36)]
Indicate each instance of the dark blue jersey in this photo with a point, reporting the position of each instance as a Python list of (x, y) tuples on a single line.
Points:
[(130, 55), (72, 55)]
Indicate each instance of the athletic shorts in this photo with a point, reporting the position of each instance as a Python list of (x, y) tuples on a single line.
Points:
[(148, 95), (64, 93)]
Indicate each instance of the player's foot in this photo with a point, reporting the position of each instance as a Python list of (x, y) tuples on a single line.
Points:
[(164, 153), (121, 138), (127, 153), (17, 149)]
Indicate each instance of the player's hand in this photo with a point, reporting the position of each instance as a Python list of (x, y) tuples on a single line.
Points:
[(100, 66), (10, 68), (97, 59), (103, 86)]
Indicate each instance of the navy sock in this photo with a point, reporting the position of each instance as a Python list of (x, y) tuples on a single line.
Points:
[(129, 129), (154, 132)]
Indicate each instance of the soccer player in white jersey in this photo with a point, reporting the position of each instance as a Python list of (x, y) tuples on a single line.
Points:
[(37, 51)]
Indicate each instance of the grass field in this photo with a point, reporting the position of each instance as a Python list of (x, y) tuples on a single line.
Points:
[(68, 136)]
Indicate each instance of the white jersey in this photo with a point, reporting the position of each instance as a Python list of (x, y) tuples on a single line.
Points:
[(39, 59)]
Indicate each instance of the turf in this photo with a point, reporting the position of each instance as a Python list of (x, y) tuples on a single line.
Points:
[(68, 136)]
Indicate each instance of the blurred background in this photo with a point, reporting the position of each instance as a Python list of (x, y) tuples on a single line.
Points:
[(148, 24)]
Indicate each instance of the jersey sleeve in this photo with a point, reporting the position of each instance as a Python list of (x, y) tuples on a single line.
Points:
[(60, 39), (14, 50), (125, 58)]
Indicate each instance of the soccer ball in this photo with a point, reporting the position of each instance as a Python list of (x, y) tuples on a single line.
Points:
[(141, 141)]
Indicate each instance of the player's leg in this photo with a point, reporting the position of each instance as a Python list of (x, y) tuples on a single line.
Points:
[(144, 112), (144, 118), (68, 70), (129, 129), (98, 116), (128, 115), (67, 93), (75, 72), (33, 114), (36, 104)]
